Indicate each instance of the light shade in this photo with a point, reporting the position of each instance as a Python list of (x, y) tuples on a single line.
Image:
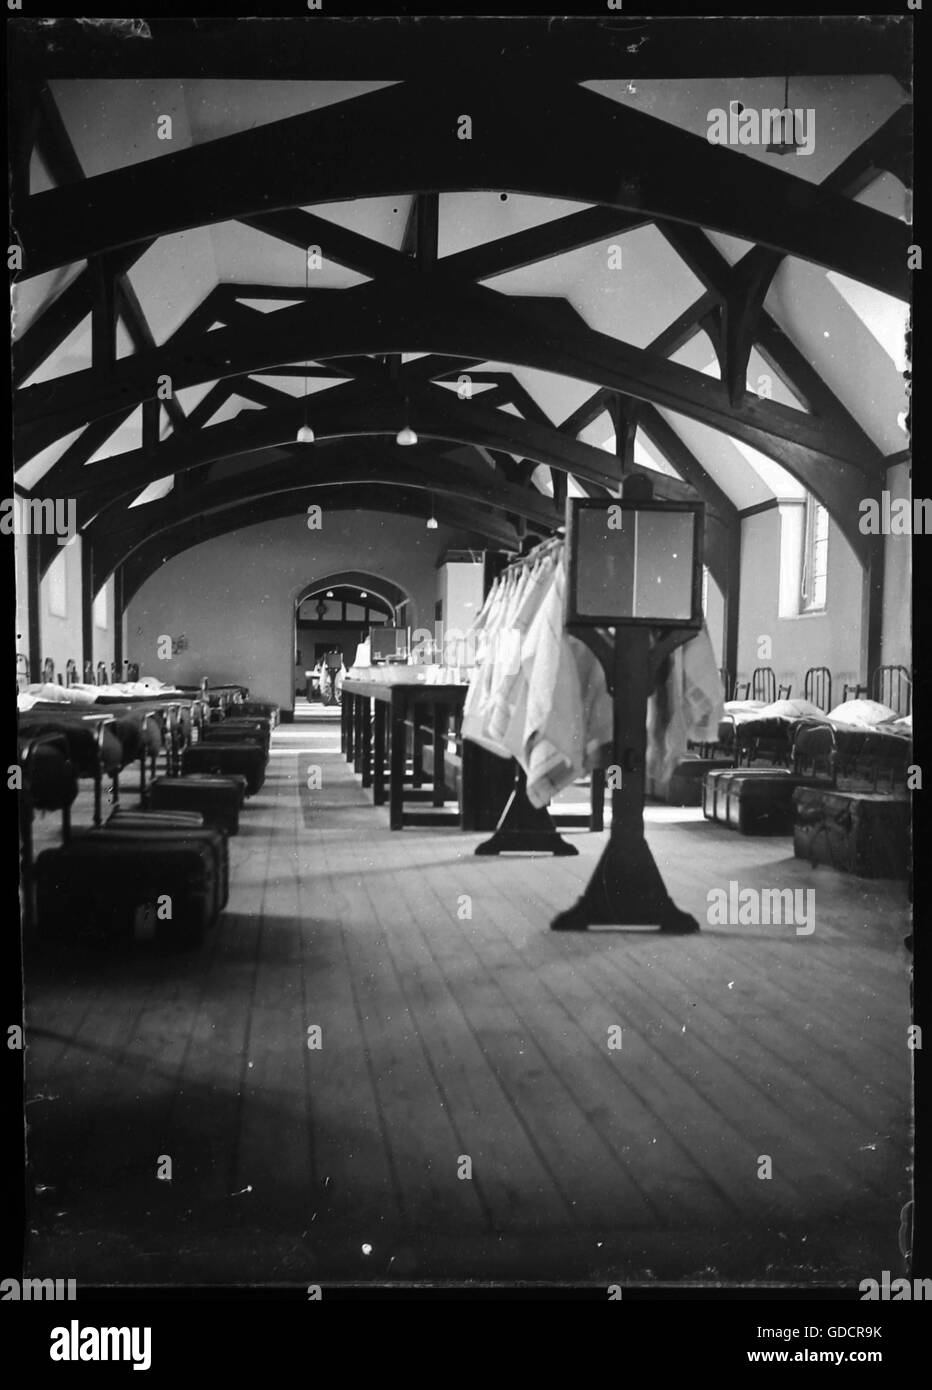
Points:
[(406, 436), (432, 523), (305, 435)]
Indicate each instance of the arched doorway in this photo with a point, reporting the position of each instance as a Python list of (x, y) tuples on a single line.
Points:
[(336, 613)]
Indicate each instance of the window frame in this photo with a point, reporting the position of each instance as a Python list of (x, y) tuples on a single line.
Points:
[(811, 575)]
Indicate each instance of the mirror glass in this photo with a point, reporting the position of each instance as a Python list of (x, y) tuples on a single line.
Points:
[(635, 563)]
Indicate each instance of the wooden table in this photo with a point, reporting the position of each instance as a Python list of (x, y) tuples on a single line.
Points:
[(374, 722)]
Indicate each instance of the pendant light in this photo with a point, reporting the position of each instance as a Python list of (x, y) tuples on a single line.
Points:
[(406, 436), (781, 146), (305, 434), (432, 520)]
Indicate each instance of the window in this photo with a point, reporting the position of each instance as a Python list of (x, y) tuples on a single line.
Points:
[(100, 608), (57, 587), (813, 581)]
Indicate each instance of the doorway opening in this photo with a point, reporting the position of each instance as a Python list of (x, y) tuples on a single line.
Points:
[(332, 616)]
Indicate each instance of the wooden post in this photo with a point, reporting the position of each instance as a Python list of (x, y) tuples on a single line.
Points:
[(872, 609), (33, 600), (118, 616), (366, 726), (378, 765), (626, 888), (732, 597), (397, 764), (87, 601), (440, 741)]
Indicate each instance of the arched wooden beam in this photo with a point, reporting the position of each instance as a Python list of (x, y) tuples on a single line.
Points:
[(394, 500), (525, 136), (348, 411), (116, 536), (344, 467), (431, 315)]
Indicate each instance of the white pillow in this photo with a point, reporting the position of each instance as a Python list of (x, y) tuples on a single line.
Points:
[(737, 706), (792, 709), (864, 712)]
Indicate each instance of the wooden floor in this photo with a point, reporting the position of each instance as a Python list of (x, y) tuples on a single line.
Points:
[(448, 1038)]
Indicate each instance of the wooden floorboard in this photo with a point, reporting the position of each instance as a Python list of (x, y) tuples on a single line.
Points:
[(451, 1034)]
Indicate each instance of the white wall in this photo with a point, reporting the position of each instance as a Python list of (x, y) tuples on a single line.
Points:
[(896, 646), (831, 638), (22, 605), (715, 620), (60, 635), (233, 597), (103, 634)]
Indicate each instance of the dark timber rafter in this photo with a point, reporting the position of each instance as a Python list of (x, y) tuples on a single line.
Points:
[(339, 465), (197, 528), (735, 320), (103, 288), (160, 531), (347, 411), (76, 301), (418, 302), (432, 315), (404, 139)]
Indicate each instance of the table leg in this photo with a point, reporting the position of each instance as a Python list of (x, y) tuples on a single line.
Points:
[(597, 800), (357, 735), (378, 757), (366, 768), (351, 730), (440, 743), (397, 764)]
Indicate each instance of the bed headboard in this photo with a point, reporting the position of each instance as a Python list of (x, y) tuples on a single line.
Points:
[(817, 687), (763, 684), (893, 686)]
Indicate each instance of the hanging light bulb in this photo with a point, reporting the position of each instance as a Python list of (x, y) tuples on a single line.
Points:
[(431, 520), (305, 434), (787, 119), (406, 435)]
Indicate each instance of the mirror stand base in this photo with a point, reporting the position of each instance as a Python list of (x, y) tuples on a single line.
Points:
[(626, 890)]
